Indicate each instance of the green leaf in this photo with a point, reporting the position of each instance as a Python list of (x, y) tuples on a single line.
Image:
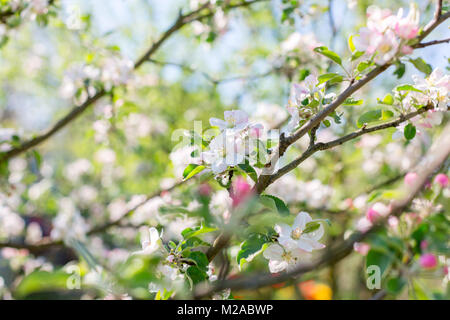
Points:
[(369, 116), (386, 114), (400, 70), (191, 170), (200, 259), (380, 259), (356, 55), (195, 232), (251, 247), (279, 204), (195, 275), (407, 87), (41, 281), (329, 54), (363, 65), (331, 77), (388, 99), (351, 45), (249, 170), (395, 285), (421, 65), (311, 226), (410, 131), (352, 102)]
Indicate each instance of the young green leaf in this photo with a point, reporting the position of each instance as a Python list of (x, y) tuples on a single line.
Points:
[(251, 247), (421, 65), (400, 70), (369, 116), (351, 45), (329, 54), (249, 170), (195, 232), (409, 131), (406, 87), (279, 204), (191, 170), (330, 77), (352, 102)]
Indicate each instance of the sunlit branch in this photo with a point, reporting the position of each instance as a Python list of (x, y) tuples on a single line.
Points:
[(285, 142), (431, 163)]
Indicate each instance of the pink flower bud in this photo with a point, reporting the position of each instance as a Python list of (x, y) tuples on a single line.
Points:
[(423, 245), (442, 179), (407, 49), (428, 261), (241, 191), (361, 248), (372, 215), (410, 177), (348, 203), (205, 190)]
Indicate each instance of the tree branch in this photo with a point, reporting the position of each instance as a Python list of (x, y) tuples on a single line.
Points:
[(331, 144), (266, 176), (438, 154)]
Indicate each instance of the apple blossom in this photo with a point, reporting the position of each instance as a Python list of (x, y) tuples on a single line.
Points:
[(385, 34), (224, 150), (435, 88), (150, 241), (407, 27), (305, 90), (377, 211), (293, 237), (282, 258), (236, 120)]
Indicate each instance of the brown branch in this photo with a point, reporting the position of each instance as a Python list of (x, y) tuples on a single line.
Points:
[(431, 43), (439, 153), (331, 144)]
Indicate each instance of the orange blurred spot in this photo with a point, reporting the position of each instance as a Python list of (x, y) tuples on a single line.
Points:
[(312, 290)]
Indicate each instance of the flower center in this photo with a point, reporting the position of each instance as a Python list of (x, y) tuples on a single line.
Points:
[(287, 256), (296, 233), (384, 48)]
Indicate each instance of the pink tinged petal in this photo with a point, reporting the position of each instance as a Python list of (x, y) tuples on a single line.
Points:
[(361, 248), (407, 49), (363, 224)]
